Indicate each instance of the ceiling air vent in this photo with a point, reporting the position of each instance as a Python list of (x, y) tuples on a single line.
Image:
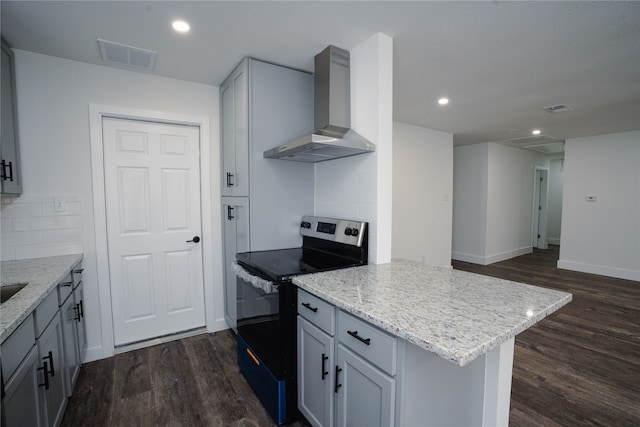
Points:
[(558, 108), (117, 53)]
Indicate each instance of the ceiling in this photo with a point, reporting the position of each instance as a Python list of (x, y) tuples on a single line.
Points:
[(499, 62)]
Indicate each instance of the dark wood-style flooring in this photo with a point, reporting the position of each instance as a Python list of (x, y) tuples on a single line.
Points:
[(579, 366)]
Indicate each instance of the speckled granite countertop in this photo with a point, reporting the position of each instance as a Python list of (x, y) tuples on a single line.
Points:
[(42, 276), (454, 314)]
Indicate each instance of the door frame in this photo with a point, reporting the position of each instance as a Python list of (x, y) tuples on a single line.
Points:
[(539, 216), (96, 114)]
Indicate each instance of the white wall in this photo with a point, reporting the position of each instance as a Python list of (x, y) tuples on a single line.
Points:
[(53, 109), (493, 202), (470, 171), (554, 219), (511, 174), (602, 237), (422, 194), (359, 187)]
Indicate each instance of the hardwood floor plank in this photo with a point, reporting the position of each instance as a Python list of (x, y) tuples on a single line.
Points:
[(579, 366)]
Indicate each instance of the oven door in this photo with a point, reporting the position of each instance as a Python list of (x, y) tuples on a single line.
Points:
[(262, 323), (267, 342)]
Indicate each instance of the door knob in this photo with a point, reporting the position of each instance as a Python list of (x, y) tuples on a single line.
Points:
[(195, 239)]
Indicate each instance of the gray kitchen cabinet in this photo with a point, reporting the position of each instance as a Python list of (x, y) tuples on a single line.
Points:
[(78, 299), (235, 217), (11, 180), (346, 367), (20, 371), (50, 345), (315, 363), (235, 132), (365, 396), (21, 403), (68, 316), (262, 105)]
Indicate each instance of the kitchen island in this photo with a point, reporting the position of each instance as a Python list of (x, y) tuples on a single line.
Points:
[(455, 334)]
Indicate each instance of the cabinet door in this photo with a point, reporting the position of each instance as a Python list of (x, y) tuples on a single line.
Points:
[(235, 215), (69, 315), (81, 324), (234, 98), (315, 374), (21, 403), (50, 348), (365, 396), (11, 182)]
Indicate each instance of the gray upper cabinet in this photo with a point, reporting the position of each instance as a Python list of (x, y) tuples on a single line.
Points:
[(11, 181), (234, 94)]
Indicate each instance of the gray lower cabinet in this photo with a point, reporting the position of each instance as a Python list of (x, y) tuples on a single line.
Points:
[(81, 324), (365, 395), (69, 316), (346, 367), (315, 363), (21, 403), (41, 359), (50, 349)]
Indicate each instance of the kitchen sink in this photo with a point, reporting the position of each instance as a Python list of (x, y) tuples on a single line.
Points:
[(8, 291)]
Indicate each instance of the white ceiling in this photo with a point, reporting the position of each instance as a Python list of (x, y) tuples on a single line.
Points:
[(499, 62)]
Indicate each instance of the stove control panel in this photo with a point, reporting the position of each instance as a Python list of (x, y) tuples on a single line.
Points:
[(336, 230)]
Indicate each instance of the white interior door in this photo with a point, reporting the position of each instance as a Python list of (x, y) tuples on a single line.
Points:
[(152, 190)]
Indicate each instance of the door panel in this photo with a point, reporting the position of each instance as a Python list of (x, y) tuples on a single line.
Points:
[(152, 187)]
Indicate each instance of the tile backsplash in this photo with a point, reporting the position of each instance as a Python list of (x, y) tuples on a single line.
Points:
[(35, 227)]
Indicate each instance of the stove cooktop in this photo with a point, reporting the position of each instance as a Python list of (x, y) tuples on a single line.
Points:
[(280, 265)]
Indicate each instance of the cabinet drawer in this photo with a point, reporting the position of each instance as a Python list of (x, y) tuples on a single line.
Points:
[(368, 342), (65, 287), (317, 311), (16, 347), (45, 312)]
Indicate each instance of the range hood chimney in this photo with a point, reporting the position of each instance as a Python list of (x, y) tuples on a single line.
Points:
[(333, 137)]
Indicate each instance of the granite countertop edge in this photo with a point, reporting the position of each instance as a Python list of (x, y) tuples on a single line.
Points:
[(42, 275), (459, 358)]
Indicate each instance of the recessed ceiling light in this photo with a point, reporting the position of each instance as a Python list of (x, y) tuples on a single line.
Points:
[(181, 26), (536, 132), (443, 101)]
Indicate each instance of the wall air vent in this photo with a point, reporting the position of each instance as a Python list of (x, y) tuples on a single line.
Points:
[(558, 108), (117, 53)]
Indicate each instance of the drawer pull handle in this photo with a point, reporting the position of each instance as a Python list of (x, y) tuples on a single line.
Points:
[(314, 309), (230, 179), (66, 284), (78, 271), (324, 359), (45, 368), (338, 385), (354, 334), (52, 371), (76, 310)]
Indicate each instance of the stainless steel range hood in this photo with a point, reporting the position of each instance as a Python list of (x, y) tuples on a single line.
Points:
[(333, 137)]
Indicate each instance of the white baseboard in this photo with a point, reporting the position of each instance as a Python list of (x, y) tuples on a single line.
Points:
[(94, 353), (474, 259), (486, 260), (553, 241), (503, 256), (217, 325), (602, 270)]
